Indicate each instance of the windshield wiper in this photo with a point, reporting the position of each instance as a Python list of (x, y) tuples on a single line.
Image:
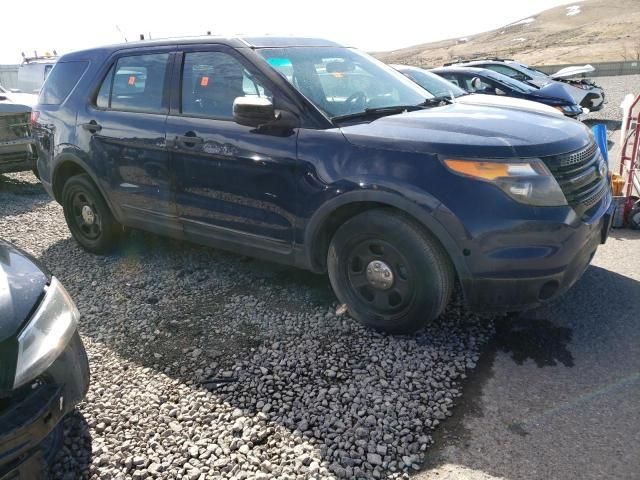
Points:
[(372, 112), (436, 101)]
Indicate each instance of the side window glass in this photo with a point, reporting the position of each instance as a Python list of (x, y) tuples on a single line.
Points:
[(211, 81), (102, 100), (453, 80), (510, 72), (138, 83)]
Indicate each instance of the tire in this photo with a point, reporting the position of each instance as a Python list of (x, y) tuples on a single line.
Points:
[(96, 230), (420, 275)]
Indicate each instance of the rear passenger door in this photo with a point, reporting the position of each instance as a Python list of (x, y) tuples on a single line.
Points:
[(123, 131), (233, 183)]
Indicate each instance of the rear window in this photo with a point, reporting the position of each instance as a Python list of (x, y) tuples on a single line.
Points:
[(135, 84), (63, 77)]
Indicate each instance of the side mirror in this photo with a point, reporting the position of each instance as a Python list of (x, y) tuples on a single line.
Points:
[(259, 112), (253, 111), (475, 83)]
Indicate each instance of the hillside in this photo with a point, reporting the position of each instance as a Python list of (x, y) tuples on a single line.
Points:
[(589, 31)]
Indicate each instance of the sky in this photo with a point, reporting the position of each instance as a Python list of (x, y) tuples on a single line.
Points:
[(67, 25)]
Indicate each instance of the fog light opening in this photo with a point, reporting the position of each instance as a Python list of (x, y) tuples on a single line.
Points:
[(548, 290)]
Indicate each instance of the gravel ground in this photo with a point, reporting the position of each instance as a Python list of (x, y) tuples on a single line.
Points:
[(211, 365)]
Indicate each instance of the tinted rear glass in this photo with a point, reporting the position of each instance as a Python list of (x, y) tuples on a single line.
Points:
[(63, 77), (138, 84)]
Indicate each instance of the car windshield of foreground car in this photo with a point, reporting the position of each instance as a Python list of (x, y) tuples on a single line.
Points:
[(344, 82), (434, 84)]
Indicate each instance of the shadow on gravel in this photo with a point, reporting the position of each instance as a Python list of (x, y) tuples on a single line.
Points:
[(338, 399), (30, 193), (73, 461), (587, 325)]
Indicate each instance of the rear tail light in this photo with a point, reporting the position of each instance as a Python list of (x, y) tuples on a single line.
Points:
[(33, 120)]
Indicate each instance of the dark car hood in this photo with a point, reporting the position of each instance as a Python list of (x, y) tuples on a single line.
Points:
[(22, 283), (554, 90), (473, 131)]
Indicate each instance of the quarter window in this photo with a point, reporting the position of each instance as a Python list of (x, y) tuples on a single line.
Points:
[(135, 84), (61, 81), (211, 81)]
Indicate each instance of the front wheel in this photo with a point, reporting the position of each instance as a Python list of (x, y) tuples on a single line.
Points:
[(392, 275)]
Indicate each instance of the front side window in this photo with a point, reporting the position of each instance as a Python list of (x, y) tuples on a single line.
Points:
[(342, 81), (135, 84), (211, 81), (481, 85)]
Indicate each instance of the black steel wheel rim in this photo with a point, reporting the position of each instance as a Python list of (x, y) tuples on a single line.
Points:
[(80, 201), (387, 300)]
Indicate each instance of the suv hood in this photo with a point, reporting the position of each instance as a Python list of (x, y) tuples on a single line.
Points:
[(472, 131), (22, 283)]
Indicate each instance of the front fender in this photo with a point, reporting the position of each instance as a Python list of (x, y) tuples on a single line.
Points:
[(423, 207)]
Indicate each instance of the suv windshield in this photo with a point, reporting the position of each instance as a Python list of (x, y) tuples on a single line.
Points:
[(434, 84), (343, 81)]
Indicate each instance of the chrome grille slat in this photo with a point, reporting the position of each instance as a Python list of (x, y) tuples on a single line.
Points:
[(578, 176)]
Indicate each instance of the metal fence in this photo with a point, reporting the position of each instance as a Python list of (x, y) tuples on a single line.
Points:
[(603, 69), (9, 76)]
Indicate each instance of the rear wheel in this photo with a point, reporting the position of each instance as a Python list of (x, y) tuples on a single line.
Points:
[(89, 218), (392, 275)]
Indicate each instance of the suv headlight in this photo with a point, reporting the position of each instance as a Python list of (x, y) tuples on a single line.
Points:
[(47, 333), (528, 181)]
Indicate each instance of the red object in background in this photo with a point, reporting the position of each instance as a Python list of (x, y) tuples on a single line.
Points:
[(204, 81), (132, 80), (632, 132)]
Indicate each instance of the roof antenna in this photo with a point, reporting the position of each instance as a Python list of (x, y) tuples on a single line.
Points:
[(208, 32), (142, 36), (125, 38)]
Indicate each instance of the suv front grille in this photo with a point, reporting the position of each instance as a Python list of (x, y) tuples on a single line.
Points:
[(579, 174)]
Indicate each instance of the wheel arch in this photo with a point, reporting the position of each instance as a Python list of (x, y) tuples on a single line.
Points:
[(67, 166), (335, 212)]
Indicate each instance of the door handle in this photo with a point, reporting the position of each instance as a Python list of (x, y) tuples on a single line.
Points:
[(92, 126), (189, 140)]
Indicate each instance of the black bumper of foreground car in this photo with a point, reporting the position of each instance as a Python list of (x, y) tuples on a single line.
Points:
[(25, 424)]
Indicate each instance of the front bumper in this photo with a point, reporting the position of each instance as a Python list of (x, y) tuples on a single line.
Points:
[(514, 283), (26, 424), (17, 155)]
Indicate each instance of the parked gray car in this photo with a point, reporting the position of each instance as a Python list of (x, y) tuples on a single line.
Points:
[(17, 151)]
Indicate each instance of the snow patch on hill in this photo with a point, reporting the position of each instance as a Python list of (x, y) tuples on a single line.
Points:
[(573, 10)]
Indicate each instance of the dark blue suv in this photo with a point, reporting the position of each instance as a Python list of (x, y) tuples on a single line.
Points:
[(305, 152)]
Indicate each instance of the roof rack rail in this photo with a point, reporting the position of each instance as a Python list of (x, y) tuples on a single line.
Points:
[(46, 56), (476, 59)]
